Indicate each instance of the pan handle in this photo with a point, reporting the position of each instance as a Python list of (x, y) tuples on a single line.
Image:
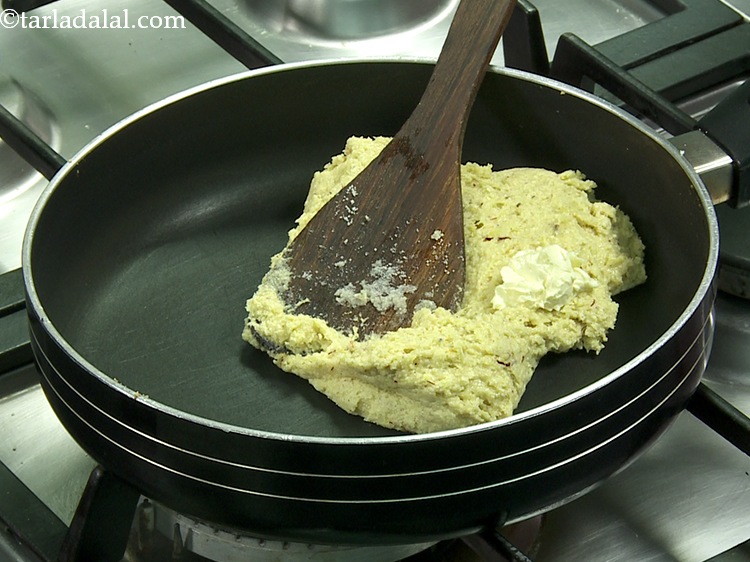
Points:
[(718, 146), (728, 124)]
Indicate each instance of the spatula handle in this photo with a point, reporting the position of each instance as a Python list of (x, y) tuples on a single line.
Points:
[(469, 46)]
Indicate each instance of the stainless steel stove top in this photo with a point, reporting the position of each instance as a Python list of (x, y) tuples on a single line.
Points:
[(686, 499)]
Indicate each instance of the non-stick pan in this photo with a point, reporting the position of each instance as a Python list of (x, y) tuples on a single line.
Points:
[(141, 253)]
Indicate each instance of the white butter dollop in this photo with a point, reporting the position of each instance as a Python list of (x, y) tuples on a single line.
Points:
[(547, 277)]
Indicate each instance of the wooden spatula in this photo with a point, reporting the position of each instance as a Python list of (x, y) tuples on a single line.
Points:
[(392, 239)]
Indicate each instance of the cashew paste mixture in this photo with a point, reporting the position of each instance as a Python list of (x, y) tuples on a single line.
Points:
[(543, 259)]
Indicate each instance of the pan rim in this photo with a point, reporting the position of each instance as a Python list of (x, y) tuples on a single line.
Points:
[(703, 289)]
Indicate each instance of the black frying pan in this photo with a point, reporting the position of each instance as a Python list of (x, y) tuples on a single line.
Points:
[(140, 255)]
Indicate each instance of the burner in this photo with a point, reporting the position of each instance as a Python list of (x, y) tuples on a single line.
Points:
[(734, 268), (161, 534), (346, 19)]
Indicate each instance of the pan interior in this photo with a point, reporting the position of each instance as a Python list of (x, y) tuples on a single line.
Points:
[(145, 253)]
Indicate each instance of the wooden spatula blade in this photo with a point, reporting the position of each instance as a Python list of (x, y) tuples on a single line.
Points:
[(392, 240), (365, 261)]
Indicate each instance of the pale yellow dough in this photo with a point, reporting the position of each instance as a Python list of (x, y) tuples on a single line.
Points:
[(450, 370)]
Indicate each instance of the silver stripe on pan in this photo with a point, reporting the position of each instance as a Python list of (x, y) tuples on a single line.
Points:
[(698, 340), (698, 364)]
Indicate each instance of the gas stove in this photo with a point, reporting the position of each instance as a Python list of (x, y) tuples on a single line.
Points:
[(686, 498)]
